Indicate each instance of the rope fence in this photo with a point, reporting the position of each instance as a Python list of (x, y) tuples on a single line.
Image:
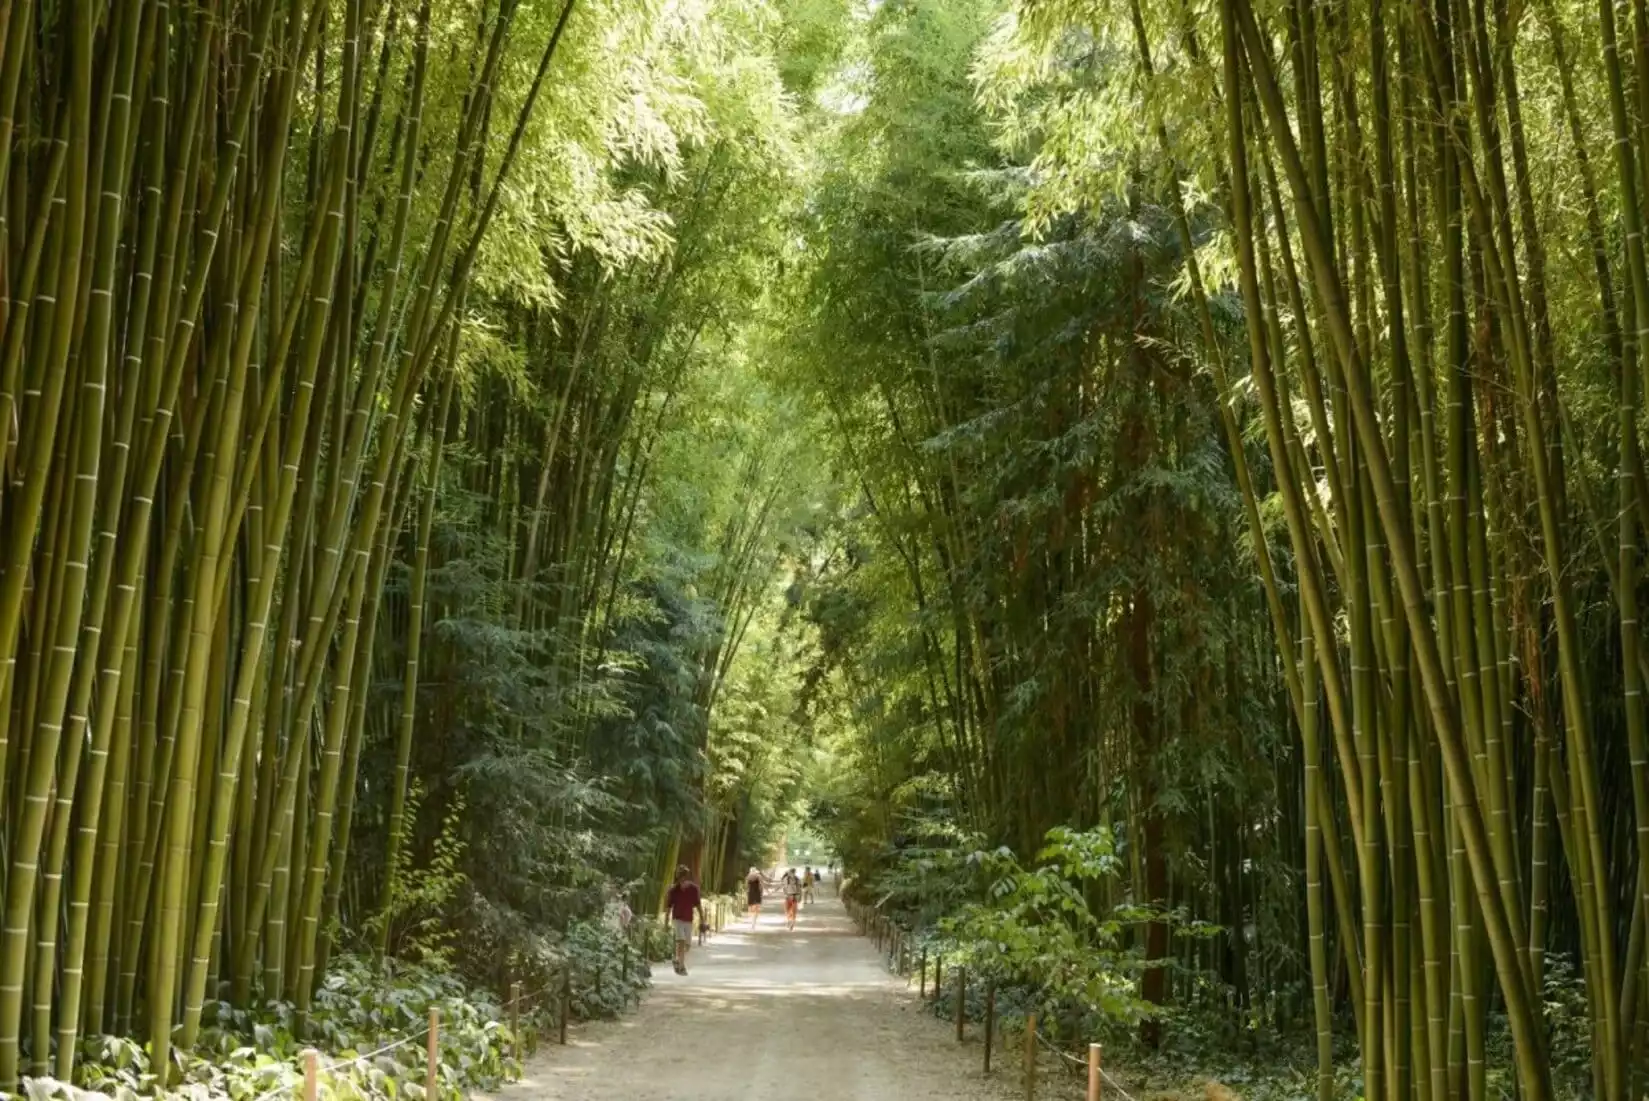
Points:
[(1065, 1055), (559, 991), (909, 962), (1126, 1096), (375, 1052), (555, 997), (312, 1068)]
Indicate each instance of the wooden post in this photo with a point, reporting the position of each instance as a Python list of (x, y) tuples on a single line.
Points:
[(1030, 1057), (1093, 1072), (961, 1001), (311, 1074), (566, 1001), (515, 1017), (432, 1053), (990, 1022), (938, 976), (924, 984)]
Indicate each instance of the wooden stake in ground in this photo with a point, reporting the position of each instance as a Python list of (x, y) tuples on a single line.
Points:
[(311, 1074), (1030, 1057), (990, 1022), (566, 1002), (515, 1016), (432, 1054), (961, 1001), (1093, 1072), (922, 990)]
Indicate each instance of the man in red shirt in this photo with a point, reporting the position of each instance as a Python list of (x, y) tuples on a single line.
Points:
[(682, 902)]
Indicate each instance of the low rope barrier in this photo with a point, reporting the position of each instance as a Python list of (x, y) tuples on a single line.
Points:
[(890, 937), (310, 1070), (1126, 1096), (1096, 1071), (374, 1053), (1065, 1055)]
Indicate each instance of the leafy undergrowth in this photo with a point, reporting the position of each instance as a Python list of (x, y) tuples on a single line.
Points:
[(369, 1022), (1256, 1063), (1251, 1061), (1032, 937)]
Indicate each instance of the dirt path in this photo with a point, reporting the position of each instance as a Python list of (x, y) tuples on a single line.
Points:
[(770, 1014)]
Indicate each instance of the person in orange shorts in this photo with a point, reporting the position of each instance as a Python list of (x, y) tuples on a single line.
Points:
[(791, 884)]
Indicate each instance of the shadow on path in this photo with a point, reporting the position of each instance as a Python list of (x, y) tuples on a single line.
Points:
[(809, 1013)]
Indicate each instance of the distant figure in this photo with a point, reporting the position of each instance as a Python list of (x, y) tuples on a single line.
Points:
[(683, 901), (808, 879), (618, 912), (753, 895), (791, 884)]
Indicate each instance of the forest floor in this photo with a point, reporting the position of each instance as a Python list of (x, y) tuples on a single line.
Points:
[(809, 1014)]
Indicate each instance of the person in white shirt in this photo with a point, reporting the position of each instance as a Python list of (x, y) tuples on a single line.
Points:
[(617, 911)]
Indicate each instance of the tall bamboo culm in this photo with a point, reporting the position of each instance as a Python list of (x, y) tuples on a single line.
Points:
[(236, 235)]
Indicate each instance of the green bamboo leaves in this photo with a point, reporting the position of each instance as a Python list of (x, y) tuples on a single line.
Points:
[(1439, 447), (207, 311)]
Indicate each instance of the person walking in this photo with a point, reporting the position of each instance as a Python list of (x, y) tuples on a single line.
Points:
[(808, 879), (683, 902), (617, 911), (791, 884), (753, 884)]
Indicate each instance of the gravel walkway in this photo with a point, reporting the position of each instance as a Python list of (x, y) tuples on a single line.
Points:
[(772, 1014)]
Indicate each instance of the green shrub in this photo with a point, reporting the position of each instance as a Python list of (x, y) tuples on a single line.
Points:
[(1036, 936), (609, 972), (368, 1022)]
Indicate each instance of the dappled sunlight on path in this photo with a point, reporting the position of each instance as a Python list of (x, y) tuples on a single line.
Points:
[(809, 1013)]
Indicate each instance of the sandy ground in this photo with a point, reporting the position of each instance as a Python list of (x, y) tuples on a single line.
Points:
[(770, 1014)]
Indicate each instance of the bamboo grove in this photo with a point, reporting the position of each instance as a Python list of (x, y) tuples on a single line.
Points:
[(1036, 608), (339, 335), (1245, 400), (1479, 704)]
